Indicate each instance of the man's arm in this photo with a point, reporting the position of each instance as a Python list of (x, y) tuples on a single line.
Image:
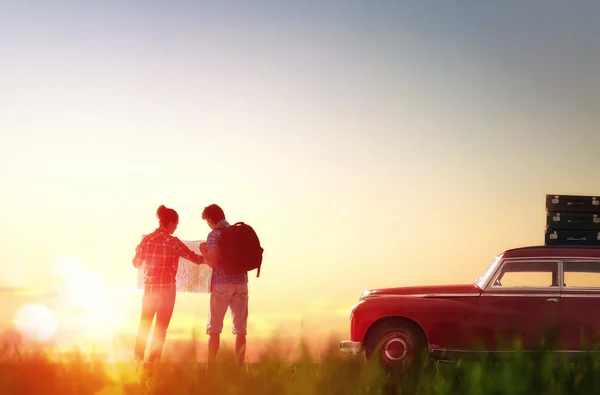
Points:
[(211, 255), (188, 254), (211, 258)]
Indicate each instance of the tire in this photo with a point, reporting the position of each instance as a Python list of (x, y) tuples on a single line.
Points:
[(398, 345)]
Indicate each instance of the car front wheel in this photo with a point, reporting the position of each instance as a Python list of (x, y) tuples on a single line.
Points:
[(397, 345)]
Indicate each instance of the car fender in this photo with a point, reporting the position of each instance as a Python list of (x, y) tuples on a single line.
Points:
[(440, 318)]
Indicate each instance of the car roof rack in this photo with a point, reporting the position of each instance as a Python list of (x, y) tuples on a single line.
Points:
[(583, 247)]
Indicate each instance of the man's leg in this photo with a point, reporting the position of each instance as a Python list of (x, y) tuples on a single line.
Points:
[(239, 313), (164, 312), (219, 302), (148, 310), (214, 342), (240, 348)]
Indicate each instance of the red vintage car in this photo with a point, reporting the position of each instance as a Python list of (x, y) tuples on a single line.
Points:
[(531, 295)]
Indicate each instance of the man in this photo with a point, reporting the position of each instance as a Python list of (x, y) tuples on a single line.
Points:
[(227, 290)]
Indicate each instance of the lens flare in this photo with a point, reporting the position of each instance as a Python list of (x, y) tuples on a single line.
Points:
[(36, 322)]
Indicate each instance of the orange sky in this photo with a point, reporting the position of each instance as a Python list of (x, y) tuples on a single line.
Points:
[(368, 147)]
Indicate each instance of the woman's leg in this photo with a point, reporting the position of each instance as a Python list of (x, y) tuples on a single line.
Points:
[(164, 313), (149, 307)]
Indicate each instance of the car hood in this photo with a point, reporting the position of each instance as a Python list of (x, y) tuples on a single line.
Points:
[(428, 290)]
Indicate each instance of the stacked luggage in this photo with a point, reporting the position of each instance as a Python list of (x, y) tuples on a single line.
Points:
[(572, 220)]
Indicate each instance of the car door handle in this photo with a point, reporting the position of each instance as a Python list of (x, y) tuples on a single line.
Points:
[(555, 300)]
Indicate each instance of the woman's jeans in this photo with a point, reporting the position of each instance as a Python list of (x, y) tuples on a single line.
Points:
[(158, 302)]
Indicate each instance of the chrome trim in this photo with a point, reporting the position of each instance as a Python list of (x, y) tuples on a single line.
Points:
[(521, 289), (472, 295), (584, 259), (389, 356), (531, 295), (497, 261), (365, 294), (549, 295), (560, 259), (503, 261), (512, 351), (351, 347), (452, 295), (574, 260), (432, 295)]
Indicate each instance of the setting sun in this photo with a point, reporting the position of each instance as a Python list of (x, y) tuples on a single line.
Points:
[(85, 288), (91, 305), (36, 322)]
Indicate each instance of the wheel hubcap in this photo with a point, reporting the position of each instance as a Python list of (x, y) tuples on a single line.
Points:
[(397, 348)]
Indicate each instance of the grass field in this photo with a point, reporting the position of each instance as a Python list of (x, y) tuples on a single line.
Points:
[(300, 372)]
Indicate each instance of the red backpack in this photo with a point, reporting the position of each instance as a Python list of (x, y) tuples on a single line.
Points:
[(239, 249)]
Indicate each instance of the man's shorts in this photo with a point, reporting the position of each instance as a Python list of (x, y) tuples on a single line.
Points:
[(223, 296)]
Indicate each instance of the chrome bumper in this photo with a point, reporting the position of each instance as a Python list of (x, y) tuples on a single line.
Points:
[(350, 346)]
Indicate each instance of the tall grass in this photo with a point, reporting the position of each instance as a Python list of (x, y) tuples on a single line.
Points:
[(298, 372)]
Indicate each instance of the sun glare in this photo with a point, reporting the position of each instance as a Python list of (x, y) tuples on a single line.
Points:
[(86, 289), (36, 322), (98, 311), (69, 266)]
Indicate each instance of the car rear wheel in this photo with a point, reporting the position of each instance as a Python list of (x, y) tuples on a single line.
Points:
[(397, 345)]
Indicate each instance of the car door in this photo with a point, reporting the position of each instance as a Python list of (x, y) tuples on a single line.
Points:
[(580, 302), (520, 305)]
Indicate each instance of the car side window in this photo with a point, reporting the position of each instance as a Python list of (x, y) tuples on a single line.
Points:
[(582, 274), (534, 274)]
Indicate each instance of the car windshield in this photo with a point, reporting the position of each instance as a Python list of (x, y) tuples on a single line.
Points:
[(481, 281)]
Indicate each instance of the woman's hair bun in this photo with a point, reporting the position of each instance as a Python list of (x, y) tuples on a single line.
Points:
[(166, 215), (161, 210)]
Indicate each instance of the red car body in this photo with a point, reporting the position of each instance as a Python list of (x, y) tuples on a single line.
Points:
[(397, 324)]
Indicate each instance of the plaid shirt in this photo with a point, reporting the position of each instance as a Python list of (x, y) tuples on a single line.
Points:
[(161, 252), (219, 275)]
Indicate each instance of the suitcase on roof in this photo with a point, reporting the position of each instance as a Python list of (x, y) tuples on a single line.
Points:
[(567, 237), (572, 204), (573, 221)]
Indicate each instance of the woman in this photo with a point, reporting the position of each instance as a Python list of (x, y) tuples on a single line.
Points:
[(161, 252)]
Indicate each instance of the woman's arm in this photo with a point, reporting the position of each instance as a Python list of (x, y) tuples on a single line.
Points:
[(140, 254), (188, 254)]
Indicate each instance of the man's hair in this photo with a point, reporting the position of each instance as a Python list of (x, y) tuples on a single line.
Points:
[(213, 213)]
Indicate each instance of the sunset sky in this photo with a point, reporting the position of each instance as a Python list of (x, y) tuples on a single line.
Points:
[(370, 144)]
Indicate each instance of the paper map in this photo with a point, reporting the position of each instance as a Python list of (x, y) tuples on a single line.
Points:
[(190, 277)]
